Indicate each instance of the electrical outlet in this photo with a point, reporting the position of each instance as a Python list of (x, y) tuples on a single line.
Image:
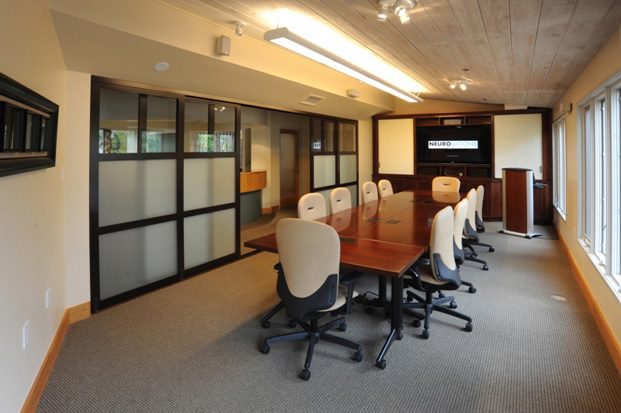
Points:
[(25, 334), (48, 297)]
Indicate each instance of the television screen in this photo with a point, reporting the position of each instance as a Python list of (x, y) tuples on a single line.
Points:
[(453, 144)]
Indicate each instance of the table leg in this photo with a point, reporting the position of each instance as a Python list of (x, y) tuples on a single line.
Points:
[(396, 321)]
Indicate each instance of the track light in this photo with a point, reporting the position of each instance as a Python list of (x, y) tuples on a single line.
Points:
[(382, 15), (402, 9), (461, 83)]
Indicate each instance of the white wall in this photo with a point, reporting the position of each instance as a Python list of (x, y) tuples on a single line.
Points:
[(31, 208)]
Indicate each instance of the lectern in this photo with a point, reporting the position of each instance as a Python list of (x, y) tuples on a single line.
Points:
[(518, 202)]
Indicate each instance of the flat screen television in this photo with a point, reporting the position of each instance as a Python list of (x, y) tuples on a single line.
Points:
[(453, 144)]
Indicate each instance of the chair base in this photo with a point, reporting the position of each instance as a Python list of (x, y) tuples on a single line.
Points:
[(313, 333), (429, 304)]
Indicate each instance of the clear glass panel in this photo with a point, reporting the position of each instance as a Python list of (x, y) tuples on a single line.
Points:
[(208, 182), (354, 194), (588, 174), (316, 145), (324, 170), (601, 162), (198, 137), (136, 257), (347, 171), (132, 190), (161, 133), (224, 128), (118, 121), (347, 137), (208, 237)]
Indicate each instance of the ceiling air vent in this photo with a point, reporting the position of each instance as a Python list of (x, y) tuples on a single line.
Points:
[(312, 100)]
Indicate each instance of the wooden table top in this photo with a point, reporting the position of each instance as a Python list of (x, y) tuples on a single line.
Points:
[(385, 237)]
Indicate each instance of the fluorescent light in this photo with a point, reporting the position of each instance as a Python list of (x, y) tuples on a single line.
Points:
[(285, 38)]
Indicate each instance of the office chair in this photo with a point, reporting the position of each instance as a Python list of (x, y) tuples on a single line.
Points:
[(369, 192), (442, 273), (460, 212), (340, 200), (445, 184), (480, 225), (471, 236), (384, 188), (308, 279), (312, 206)]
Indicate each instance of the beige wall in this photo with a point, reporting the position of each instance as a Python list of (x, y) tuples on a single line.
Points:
[(605, 64), (31, 208), (517, 142)]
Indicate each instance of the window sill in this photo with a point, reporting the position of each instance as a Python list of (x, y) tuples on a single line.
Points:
[(561, 213), (609, 279)]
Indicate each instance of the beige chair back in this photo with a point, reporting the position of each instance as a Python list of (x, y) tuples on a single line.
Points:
[(480, 195), (461, 210), (369, 192), (445, 184), (442, 239), (384, 188), (470, 216), (340, 200), (312, 206), (309, 252)]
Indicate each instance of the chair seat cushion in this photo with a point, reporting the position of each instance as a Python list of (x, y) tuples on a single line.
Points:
[(340, 302), (426, 277)]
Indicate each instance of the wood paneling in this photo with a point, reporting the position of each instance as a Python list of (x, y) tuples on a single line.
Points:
[(523, 52)]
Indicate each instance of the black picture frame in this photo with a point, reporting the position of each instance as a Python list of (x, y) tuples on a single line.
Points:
[(28, 129)]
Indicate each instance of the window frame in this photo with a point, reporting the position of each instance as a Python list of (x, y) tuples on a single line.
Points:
[(599, 163), (559, 167)]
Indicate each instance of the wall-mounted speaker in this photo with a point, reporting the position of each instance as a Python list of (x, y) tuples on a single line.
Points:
[(223, 46)]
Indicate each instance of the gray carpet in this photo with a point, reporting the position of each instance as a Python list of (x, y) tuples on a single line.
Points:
[(192, 347)]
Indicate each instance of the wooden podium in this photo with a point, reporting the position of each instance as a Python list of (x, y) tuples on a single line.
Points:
[(517, 202)]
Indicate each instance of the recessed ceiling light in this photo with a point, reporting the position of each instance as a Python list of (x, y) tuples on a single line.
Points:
[(161, 66)]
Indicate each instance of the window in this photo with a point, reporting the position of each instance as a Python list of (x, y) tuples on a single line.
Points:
[(558, 163), (600, 186)]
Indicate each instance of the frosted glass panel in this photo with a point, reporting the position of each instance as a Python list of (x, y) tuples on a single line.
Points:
[(347, 170), (136, 257), (132, 190), (208, 182), (354, 194), (208, 237), (324, 171)]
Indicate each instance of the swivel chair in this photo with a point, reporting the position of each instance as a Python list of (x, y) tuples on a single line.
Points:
[(478, 216), (460, 212), (471, 236), (441, 274), (340, 200), (445, 184), (369, 192), (308, 279), (384, 188)]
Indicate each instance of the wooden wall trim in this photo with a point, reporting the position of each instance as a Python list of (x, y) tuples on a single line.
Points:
[(613, 346), (70, 316)]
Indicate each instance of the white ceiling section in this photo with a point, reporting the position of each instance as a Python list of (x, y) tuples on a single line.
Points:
[(519, 52)]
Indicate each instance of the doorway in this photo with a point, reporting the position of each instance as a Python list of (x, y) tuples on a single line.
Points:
[(289, 168)]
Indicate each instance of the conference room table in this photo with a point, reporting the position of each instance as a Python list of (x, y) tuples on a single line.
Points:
[(385, 237)]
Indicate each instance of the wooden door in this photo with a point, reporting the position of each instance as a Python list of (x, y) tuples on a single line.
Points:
[(289, 171)]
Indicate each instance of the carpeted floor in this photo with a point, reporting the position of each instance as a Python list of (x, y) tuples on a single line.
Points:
[(192, 347)]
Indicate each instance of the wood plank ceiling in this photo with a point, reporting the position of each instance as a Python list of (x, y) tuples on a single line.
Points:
[(518, 52)]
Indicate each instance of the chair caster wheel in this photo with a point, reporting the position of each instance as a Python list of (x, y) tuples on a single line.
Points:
[(416, 323), (292, 323), (304, 374), (342, 327), (491, 249), (399, 335), (425, 334), (472, 290), (453, 304), (369, 310), (468, 327), (381, 364), (357, 357), (266, 324), (264, 348), (485, 268)]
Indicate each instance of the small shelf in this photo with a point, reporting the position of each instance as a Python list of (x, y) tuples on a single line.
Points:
[(427, 121), (454, 169)]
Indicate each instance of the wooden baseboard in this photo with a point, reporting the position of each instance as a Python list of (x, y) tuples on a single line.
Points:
[(613, 346), (270, 210), (71, 315)]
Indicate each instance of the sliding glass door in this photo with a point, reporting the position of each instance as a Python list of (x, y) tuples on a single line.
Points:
[(164, 184)]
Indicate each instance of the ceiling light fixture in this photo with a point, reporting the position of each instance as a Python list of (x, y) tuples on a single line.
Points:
[(285, 38), (461, 83), (402, 9)]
